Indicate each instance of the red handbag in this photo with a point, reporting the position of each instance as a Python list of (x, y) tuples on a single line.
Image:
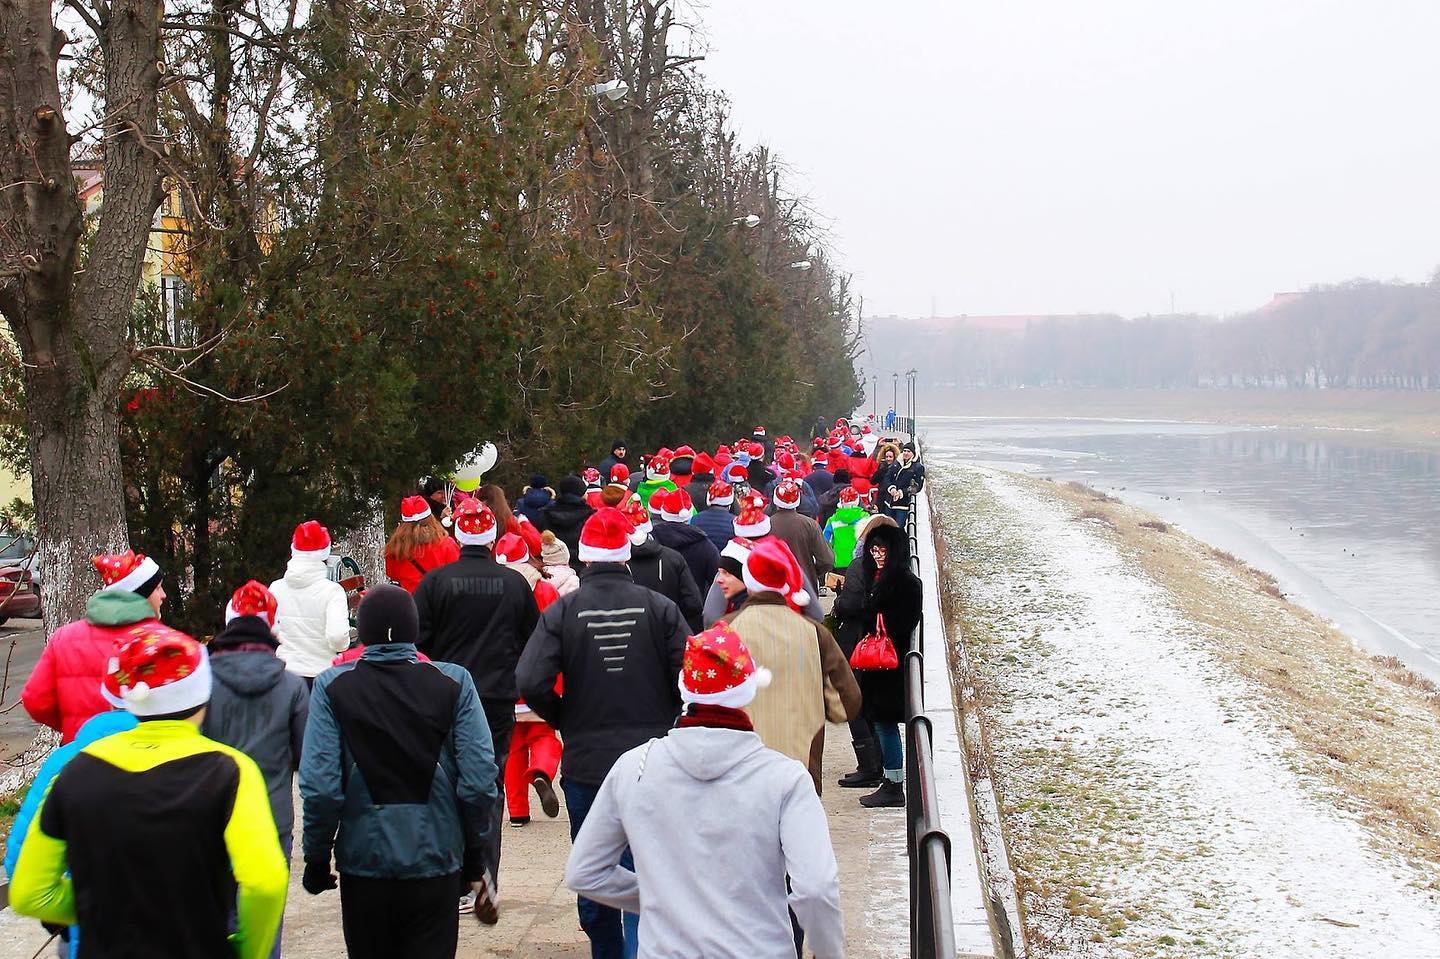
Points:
[(875, 651)]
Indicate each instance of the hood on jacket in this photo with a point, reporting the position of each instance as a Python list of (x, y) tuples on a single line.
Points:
[(249, 673), (244, 629), (646, 550), (569, 507), (682, 534), (897, 544), (305, 571), (707, 753), (117, 607), (852, 514)]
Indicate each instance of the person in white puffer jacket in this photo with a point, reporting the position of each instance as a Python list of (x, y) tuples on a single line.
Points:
[(312, 620)]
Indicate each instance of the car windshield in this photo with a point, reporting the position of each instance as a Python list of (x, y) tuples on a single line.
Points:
[(15, 547)]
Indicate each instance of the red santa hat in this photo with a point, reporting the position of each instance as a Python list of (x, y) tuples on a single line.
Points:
[(737, 549), (591, 476), (787, 494), (721, 493), (752, 521), (414, 508), (605, 537), (676, 506), (310, 541), (703, 465), (820, 459), (685, 450), (785, 460), (475, 525), (639, 517), (658, 469), (619, 475), (756, 451), (847, 497), (157, 671), (758, 431), (718, 669), (511, 550), (252, 599), (834, 443), (127, 572), (771, 568)]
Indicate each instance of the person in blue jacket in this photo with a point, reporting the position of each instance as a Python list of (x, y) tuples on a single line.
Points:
[(97, 727)]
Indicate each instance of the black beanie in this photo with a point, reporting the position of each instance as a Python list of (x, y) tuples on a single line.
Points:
[(732, 566), (573, 485), (386, 615)]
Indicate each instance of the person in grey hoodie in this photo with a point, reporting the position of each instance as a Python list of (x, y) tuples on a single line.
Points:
[(709, 791), (255, 705)]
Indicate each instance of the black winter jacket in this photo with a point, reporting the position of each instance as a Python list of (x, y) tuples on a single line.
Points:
[(718, 523), (699, 490), (259, 709), (565, 517), (821, 481), (532, 501), (909, 480), (692, 543), (665, 571), (898, 595), (477, 614), (619, 646)]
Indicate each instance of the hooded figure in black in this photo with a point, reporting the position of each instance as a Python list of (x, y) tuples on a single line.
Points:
[(566, 516), (619, 455), (894, 592)]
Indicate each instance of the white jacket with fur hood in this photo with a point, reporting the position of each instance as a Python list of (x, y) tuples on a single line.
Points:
[(312, 620)]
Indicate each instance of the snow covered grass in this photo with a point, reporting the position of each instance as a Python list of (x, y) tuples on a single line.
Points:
[(1186, 764)]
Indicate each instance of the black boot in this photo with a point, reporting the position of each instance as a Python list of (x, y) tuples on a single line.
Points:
[(870, 770), (889, 794), (546, 792)]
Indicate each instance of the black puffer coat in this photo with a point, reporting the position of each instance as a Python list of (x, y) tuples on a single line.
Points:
[(897, 595), (565, 517), (692, 543)]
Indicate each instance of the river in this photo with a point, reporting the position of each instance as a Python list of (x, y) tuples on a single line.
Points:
[(1349, 527)]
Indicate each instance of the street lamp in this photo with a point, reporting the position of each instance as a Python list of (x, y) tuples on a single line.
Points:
[(895, 392), (875, 395), (748, 222), (611, 90), (910, 376)]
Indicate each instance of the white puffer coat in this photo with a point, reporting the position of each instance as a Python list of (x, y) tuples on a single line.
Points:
[(311, 618)]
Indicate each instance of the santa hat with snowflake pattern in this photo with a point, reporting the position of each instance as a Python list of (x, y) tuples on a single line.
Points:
[(127, 572), (718, 669), (752, 521), (475, 525), (787, 494), (721, 493)]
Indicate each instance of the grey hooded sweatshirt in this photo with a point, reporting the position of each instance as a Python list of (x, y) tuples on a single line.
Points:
[(751, 815)]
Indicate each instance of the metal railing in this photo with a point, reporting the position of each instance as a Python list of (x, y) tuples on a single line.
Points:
[(932, 926)]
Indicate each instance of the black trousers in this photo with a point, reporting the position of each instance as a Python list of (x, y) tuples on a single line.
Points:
[(400, 918), (501, 717)]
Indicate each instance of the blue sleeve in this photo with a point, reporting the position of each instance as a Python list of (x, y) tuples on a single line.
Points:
[(474, 753), (322, 783), (47, 772)]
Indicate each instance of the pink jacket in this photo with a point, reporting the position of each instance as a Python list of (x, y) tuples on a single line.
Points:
[(64, 690)]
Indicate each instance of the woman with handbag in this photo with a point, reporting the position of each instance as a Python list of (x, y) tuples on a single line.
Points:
[(891, 612)]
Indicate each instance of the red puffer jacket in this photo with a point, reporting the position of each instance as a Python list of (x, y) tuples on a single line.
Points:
[(407, 573), (64, 690)]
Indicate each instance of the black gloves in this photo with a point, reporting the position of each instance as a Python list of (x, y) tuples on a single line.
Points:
[(318, 877)]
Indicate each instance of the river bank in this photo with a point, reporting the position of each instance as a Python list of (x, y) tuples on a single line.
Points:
[(1187, 763), (1409, 416)]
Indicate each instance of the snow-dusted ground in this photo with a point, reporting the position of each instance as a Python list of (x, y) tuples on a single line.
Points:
[(1150, 807)]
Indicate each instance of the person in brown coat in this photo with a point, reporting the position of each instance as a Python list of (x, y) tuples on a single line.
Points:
[(811, 679), (801, 533)]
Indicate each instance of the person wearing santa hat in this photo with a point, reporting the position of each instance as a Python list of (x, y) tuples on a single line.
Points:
[(813, 683), (149, 838), (730, 576), (753, 523), (63, 690), (820, 479), (757, 474), (257, 706), (676, 531), (716, 520), (418, 545), (703, 474), (398, 779), (619, 646), (800, 532), (657, 477), (594, 483), (668, 799), (478, 613), (312, 619), (661, 568)]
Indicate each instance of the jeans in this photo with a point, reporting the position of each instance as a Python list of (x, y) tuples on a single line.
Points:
[(612, 936), (891, 751), (900, 514)]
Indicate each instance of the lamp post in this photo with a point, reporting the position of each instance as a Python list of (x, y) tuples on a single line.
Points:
[(910, 376), (875, 395), (895, 392)]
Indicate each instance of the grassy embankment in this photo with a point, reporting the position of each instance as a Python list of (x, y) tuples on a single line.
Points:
[(1362, 729)]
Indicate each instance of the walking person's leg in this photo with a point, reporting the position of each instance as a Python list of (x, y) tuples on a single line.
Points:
[(368, 916), (430, 927), (545, 751), (601, 923), (501, 717), (517, 774)]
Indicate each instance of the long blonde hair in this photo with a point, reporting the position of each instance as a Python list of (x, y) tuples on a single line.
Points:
[(409, 538)]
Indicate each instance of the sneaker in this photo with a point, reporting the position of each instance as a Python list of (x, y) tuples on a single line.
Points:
[(487, 901), (546, 792), (518, 821), (467, 903)]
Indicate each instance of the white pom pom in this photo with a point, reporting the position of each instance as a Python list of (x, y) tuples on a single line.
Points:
[(763, 677), (637, 538), (800, 597), (447, 522), (137, 693)]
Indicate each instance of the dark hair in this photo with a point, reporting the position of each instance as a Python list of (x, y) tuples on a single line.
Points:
[(842, 476), (183, 714)]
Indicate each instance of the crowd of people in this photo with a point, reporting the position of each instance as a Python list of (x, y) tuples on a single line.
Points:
[(647, 635)]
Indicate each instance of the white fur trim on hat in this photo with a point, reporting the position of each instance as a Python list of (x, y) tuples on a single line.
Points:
[(136, 578), (761, 528), (735, 551), (736, 697), (180, 696), (597, 554), (476, 539), (415, 517), (723, 500)]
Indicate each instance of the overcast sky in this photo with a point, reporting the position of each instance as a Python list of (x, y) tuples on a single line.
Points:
[(1055, 156)]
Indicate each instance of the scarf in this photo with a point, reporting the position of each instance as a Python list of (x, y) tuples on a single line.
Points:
[(716, 717)]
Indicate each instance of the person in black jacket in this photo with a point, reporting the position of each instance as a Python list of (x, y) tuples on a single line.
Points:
[(661, 568), (691, 542), (619, 646), (902, 481), (700, 480), (478, 614), (566, 516), (894, 592), (619, 456)]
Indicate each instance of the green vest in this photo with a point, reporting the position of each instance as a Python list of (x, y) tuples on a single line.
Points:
[(840, 531)]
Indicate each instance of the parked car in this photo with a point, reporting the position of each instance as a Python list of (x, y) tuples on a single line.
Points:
[(19, 577)]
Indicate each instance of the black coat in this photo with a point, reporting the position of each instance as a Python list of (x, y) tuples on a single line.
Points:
[(620, 648), (758, 475), (699, 490), (666, 572), (477, 614), (909, 480), (695, 547), (610, 462), (565, 517), (821, 481), (898, 595)]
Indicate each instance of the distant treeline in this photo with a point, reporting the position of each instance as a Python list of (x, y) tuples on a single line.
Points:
[(1358, 335)]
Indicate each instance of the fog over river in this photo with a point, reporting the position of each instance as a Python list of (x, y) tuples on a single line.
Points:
[(1347, 524)]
